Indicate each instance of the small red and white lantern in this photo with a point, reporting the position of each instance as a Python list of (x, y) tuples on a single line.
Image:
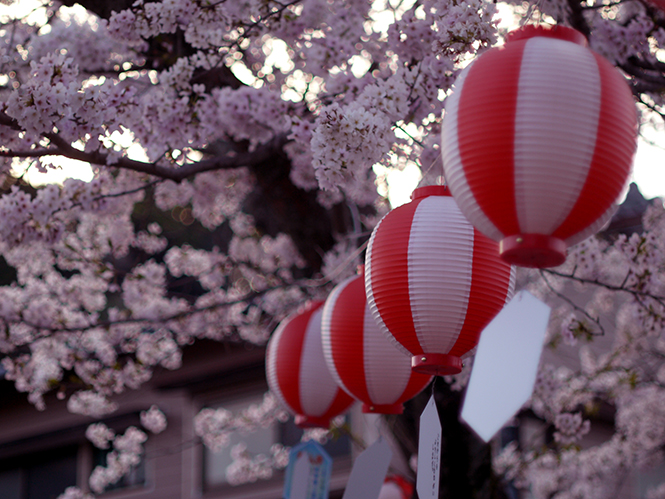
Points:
[(537, 141), (433, 282), (297, 373), (362, 360), (396, 487)]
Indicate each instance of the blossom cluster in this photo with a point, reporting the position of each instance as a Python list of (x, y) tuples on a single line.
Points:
[(214, 426), (250, 468), (125, 454), (617, 288), (125, 450)]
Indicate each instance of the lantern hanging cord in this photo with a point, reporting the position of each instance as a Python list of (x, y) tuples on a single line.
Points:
[(350, 258), (434, 384), (529, 13), (429, 168), (378, 426)]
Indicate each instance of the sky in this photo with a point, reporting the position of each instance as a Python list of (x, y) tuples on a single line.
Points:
[(648, 171), (649, 164)]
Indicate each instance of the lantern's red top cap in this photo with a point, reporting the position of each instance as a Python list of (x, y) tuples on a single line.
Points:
[(430, 190), (559, 32)]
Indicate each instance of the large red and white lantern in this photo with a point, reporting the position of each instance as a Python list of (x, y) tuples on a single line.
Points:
[(362, 360), (297, 373), (538, 139), (433, 282)]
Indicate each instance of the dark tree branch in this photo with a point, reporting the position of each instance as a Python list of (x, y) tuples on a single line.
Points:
[(233, 159), (34, 153), (636, 293), (595, 320), (577, 19), (236, 156), (643, 75), (656, 66)]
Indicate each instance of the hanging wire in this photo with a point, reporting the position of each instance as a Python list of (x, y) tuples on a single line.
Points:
[(345, 263), (529, 13), (434, 378), (429, 169), (378, 425)]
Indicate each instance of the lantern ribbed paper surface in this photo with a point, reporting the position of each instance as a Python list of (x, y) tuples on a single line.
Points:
[(433, 282), (297, 372), (538, 139), (363, 361)]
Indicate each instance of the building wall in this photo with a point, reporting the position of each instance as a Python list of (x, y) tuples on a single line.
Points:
[(212, 375)]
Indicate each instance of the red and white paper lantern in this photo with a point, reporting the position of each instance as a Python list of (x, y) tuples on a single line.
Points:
[(362, 360), (297, 373), (396, 487), (538, 139), (433, 282)]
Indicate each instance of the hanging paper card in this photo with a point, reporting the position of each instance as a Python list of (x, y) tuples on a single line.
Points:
[(300, 477), (308, 472), (429, 452), (504, 370), (369, 471)]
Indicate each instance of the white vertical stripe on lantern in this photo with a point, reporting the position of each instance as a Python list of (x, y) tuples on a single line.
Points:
[(552, 152), (456, 179), (439, 272), (371, 302), (317, 388), (271, 370), (326, 340), (387, 370)]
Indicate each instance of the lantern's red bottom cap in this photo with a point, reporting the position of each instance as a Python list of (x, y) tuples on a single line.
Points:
[(383, 408), (533, 250), (436, 364), (311, 421)]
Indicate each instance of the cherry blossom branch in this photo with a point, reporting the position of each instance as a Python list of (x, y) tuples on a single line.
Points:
[(596, 282), (161, 320), (119, 194), (232, 159), (595, 320), (276, 12), (34, 153)]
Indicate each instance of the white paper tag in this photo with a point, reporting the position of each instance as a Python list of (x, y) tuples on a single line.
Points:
[(506, 363), (429, 452), (300, 480), (369, 471), (308, 472)]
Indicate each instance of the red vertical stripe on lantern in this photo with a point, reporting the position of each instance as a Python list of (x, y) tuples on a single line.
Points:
[(486, 130), (340, 404), (348, 331), (287, 356), (389, 268), (417, 383), (612, 142), (490, 285)]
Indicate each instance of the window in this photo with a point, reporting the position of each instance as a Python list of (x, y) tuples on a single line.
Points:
[(43, 475), (647, 479), (258, 442), (136, 477)]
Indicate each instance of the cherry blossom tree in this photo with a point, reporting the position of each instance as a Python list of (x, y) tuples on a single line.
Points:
[(236, 156)]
